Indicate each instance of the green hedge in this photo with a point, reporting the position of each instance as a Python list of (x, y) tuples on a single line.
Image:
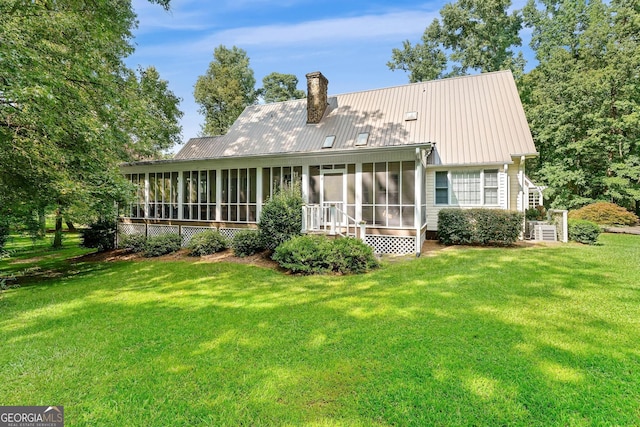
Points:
[(311, 254), (162, 245), (133, 242), (582, 231), (479, 226), (247, 242), (207, 243)]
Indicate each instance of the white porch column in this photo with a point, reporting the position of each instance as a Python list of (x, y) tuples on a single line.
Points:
[(180, 194), (305, 183), (259, 192), (146, 195), (417, 211), (521, 193), (218, 194)]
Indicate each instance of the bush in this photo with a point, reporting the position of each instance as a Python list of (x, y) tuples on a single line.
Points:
[(305, 254), (318, 254), (133, 242), (4, 232), (281, 217), (207, 243), (247, 242), (162, 245), (479, 226), (604, 213), (535, 214), (582, 231), (100, 235), (351, 255)]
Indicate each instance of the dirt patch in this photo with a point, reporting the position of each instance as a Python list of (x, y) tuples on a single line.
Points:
[(262, 259)]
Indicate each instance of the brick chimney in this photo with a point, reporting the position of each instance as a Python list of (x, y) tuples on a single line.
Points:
[(316, 96)]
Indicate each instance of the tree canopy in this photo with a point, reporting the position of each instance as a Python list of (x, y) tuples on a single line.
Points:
[(277, 87), (582, 99), (70, 110), (227, 87), (475, 35)]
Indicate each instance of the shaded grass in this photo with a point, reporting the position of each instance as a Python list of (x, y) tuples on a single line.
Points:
[(539, 336)]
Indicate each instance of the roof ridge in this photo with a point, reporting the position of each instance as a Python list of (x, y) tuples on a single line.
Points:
[(425, 82)]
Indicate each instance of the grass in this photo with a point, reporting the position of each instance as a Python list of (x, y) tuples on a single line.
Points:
[(531, 337)]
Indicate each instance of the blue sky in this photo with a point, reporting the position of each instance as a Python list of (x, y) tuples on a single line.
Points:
[(350, 42)]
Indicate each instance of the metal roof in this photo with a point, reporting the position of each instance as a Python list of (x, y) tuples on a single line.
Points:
[(471, 120)]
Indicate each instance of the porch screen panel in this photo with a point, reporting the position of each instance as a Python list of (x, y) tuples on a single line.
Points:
[(408, 193), (239, 194), (152, 195), (253, 185), (351, 190), (174, 195), (137, 208), (266, 184), (314, 184), (367, 192), (388, 194)]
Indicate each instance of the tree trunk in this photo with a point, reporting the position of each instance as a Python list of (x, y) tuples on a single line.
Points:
[(57, 239), (70, 226)]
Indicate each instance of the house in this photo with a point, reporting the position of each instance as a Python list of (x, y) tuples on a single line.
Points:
[(389, 159)]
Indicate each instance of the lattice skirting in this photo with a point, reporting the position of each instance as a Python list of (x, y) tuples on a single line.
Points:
[(189, 231), (128, 229), (229, 233), (391, 244), (156, 230)]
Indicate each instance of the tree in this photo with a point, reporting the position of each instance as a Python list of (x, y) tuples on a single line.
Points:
[(70, 110), (473, 35), (278, 87), (583, 99), (225, 90)]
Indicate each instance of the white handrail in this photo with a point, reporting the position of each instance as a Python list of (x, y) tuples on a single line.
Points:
[(331, 219)]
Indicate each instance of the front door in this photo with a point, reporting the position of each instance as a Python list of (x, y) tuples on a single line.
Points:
[(333, 191)]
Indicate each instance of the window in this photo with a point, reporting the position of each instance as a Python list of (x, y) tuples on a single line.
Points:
[(274, 178), (467, 187), (363, 139), (491, 187), (442, 188), (328, 141)]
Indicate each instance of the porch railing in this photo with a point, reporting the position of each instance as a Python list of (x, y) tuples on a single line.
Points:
[(332, 220)]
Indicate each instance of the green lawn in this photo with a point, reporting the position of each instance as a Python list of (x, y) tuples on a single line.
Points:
[(540, 336)]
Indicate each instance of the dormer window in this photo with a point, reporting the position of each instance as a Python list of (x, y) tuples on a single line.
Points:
[(363, 139), (328, 141)]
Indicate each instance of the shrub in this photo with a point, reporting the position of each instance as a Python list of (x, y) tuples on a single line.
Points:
[(207, 243), (281, 217), (582, 231), (4, 232), (247, 242), (133, 242), (351, 255), (100, 235), (604, 213), (318, 254), (478, 226), (162, 245), (305, 254), (535, 214)]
